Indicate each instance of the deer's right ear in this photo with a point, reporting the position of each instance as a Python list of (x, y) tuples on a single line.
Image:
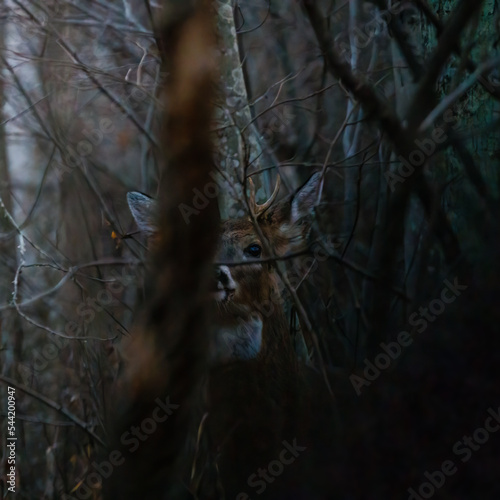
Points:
[(305, 199), (143, 210)]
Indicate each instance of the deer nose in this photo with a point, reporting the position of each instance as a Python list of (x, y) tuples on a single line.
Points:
[(225, 280)]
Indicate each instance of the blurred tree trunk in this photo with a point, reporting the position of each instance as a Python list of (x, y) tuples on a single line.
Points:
[(167, 358)]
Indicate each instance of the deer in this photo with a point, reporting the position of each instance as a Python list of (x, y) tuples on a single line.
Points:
[(259, 394), (242, 284)]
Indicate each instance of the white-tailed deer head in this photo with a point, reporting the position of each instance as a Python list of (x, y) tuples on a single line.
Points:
[(245, 284)]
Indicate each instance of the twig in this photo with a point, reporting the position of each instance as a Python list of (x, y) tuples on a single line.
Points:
[(450, 99), (55, 406)]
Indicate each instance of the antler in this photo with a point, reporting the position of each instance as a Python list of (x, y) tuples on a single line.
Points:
[(256, 209)]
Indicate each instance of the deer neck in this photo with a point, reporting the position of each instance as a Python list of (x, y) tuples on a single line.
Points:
[(276, 342), (276, 345)]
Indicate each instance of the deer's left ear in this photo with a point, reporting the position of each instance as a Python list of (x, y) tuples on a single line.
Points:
[(143, 209), (305, 199)]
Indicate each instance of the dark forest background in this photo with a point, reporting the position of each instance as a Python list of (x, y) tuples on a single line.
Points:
[(396, 104)]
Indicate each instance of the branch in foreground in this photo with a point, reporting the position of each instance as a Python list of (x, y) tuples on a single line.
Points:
[(55, 406)]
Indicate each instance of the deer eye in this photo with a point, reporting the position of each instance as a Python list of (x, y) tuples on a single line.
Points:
[(253, 250)]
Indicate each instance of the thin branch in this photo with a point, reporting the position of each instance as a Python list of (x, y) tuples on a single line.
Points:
[(87, 427), (450, 99), (69, 274)]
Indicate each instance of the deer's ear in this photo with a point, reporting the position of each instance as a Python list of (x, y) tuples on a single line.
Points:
[(143, 210), (305, 199)]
